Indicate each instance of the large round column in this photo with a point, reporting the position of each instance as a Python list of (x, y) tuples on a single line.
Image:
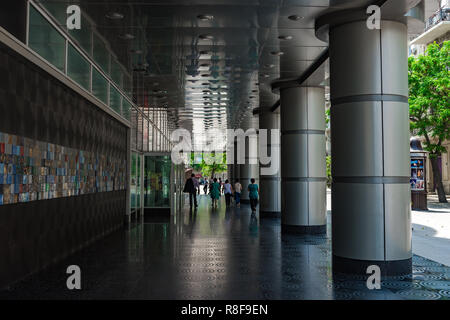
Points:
[(371, 221), (270, 183), (303, 160)]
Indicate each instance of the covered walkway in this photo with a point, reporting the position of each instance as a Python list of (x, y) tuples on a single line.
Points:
[(219, 254)]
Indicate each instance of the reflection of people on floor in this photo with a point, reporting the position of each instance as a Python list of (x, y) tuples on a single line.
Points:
[(253, 226)]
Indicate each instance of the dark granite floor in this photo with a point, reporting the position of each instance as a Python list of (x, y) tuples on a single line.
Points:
[(220, 254)]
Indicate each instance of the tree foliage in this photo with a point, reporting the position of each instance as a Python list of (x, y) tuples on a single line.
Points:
[(429, 102), (210, 164)]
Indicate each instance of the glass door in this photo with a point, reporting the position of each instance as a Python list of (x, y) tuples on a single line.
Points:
[(157, 182)]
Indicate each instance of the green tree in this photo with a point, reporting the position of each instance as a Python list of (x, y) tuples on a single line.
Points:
[(429, 103), (206, 167)]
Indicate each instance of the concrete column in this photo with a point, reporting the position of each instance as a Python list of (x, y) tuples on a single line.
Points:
[(270, 183), (303, 160), (371, 220)]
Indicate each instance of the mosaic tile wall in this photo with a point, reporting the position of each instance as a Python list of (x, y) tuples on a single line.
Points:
[(34, 170), (72, 153)]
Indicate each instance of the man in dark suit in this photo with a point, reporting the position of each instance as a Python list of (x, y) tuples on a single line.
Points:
[(190, 188)]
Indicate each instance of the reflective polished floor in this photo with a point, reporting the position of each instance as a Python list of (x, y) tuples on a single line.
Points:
[(219, 254)]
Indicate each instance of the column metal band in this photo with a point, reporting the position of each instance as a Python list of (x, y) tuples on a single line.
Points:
[(370, 97), (372, 180), (305, 179), (302, 131)]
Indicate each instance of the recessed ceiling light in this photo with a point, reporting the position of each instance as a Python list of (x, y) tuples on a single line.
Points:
[(114, 16), (205, 17), (126, 36), (295, 17), (206, 37), (285, 37), (277, 53)]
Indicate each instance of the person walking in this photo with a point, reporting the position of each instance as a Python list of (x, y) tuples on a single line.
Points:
[(205, 187), (221, 186), (237, 193), (215, 193), (228, 192), (253, 190), (189, 187), (196, 185)]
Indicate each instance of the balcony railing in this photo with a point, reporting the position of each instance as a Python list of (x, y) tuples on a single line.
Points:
[(442, 14)]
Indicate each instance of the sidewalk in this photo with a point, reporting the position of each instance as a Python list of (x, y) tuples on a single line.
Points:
[(431, 231)]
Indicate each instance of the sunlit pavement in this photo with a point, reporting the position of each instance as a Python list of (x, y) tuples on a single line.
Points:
[(431, 231)]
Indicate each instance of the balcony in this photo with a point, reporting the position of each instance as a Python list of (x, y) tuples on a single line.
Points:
[(436, 26)]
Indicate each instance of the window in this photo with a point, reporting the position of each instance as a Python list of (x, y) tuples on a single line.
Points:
[(78, 68), (83, 36), (99, 86), (101, 54), (157, 181), (116, 73), (115, 100), (126, 109), (46, 41)]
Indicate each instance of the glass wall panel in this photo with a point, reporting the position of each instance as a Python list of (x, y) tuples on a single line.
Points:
[(126, 109), (101, 54), (83, 36), (115, 100), (78, 68), (127, 85), (57, 9), (150, 137), (134, 128), (157, 181), (99, 86), (145, 136), (116, 73), (46, 41)]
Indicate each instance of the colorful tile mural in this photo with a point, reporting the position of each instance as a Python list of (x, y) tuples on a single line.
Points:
[(33, 170)]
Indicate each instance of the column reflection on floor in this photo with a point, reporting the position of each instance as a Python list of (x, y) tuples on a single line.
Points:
[(219, 254)]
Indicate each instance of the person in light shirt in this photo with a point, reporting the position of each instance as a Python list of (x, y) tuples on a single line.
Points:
[(228, 190), (237, 193)]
